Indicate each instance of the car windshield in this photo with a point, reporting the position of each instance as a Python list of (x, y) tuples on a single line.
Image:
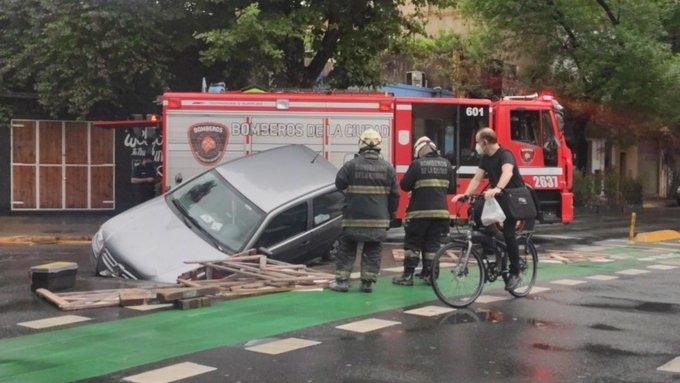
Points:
[(219, 211)]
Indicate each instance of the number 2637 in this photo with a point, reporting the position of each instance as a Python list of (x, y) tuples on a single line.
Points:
[(545, 181)]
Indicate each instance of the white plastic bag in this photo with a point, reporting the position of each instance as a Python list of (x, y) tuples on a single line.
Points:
[(492, 212)]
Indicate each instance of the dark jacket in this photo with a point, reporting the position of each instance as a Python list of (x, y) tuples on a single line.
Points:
[(371, 193), (429, 179)]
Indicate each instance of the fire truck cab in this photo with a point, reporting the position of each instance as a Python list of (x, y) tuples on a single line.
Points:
[(201, 130), (529, 126)]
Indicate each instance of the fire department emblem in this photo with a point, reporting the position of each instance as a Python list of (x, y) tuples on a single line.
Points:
[(208, 141), (527, 155)]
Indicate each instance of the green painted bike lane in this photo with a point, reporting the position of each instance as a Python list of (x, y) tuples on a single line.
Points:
[(88, 351)]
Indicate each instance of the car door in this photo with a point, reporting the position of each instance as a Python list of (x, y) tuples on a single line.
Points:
[(326, 222), (286, 234)]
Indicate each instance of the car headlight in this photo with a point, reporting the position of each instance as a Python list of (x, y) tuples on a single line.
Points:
[(98, 242)]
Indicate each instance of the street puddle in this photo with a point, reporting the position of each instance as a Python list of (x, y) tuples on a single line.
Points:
[(623, 304)]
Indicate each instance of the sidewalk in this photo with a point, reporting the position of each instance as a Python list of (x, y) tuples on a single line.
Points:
[(52, 226)]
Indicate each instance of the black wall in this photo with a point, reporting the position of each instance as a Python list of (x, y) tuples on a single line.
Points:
[(4, 168)]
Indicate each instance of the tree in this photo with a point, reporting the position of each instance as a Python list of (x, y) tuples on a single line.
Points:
[(288, 44), (83, 57), (614, 61)]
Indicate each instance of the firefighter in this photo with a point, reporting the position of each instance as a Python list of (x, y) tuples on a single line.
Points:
[(371, 200), (429, 179)]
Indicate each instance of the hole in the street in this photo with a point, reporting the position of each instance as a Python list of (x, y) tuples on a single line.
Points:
[(605, 327)]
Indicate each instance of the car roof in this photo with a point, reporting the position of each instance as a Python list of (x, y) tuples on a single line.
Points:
[(274, 177)]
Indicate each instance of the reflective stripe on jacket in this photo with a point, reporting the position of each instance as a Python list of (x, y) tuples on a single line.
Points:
[(371, 193), (429, 179)]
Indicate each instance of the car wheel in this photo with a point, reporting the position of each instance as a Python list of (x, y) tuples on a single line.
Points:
[(332, 254)]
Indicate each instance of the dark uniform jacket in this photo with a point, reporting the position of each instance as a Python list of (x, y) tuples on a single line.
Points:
[(429, 179), (371, 193)]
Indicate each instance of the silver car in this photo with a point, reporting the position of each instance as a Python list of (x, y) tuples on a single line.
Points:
[(282, 199)]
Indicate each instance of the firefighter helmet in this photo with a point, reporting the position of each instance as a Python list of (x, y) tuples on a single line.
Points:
[(421, 143), (370, 138)]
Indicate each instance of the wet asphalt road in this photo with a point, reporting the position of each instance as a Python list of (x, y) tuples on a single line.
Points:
[(617, 331), (609, 331)]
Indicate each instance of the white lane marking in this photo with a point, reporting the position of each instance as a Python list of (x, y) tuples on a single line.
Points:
[(355, 275), (367, 325), (490, 298), (283, 345), (430, 311), (619, 256), (549, 261), (52, 322), (308, 290), (539, 289), (170, 373), (600, 277), (662, 267), (601, 260), (647, 259), (632, 272), (396, 269), (568, 282), (149, 307), (672, 366)]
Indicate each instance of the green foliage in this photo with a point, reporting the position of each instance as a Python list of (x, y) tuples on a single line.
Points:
[(620, 57), (617, 191), (82, 56)]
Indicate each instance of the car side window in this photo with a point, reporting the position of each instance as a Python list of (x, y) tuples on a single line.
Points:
[(525, 126), (327, 206), (287, 224)]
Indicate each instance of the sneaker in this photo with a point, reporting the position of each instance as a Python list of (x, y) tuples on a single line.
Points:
[(406, 279), (366, 287), (513, 281), (339, 286)]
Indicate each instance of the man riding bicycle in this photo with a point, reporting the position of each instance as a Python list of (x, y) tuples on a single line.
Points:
[(500, 166)]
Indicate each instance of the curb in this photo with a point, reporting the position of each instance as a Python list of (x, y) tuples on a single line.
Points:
[(657, 236), (45, 240)]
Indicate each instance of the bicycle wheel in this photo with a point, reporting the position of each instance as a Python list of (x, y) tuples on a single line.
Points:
[(528, 263), (457, 282)]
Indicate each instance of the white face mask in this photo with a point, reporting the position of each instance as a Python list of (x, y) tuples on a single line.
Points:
[(479, 149)]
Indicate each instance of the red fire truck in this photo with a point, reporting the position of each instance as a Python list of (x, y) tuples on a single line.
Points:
[(201, 130)]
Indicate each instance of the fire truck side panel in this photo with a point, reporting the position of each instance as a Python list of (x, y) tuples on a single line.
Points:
[(333, 134)]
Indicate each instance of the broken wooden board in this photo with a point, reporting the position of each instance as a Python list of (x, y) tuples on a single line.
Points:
[(135, 297), (172, 294), (193, 303)]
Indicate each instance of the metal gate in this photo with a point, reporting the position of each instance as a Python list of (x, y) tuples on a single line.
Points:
[(61, 165)]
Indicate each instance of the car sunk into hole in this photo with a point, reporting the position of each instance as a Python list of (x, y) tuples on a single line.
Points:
[(282, 199)]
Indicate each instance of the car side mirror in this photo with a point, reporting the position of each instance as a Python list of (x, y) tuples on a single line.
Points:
[(178, 178)]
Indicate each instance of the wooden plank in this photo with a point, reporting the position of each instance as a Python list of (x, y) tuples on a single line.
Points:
[(102, 187), (173, 294), (49, 134), (101, 145), (193, 303), (76, 142), (23, 142), (135, 297), (54, 298), (50, 187), (23, 186), (76, 187)]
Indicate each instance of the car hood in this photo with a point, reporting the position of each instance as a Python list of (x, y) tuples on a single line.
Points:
[(155, 242)]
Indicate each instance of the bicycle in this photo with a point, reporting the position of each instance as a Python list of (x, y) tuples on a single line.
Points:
[(467, 271)]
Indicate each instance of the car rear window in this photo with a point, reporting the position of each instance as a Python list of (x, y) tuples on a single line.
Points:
[(327, 206), (288, 223)]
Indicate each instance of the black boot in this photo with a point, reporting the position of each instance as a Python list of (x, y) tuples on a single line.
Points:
[(406, 279), (339, 286), (366, 287)]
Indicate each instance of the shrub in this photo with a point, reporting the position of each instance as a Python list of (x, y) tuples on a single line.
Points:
[(583, 189)]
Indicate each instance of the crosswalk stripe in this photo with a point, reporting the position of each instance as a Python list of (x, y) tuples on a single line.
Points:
[(367, 325), (632, 272), (282, 345), (170, 373)]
